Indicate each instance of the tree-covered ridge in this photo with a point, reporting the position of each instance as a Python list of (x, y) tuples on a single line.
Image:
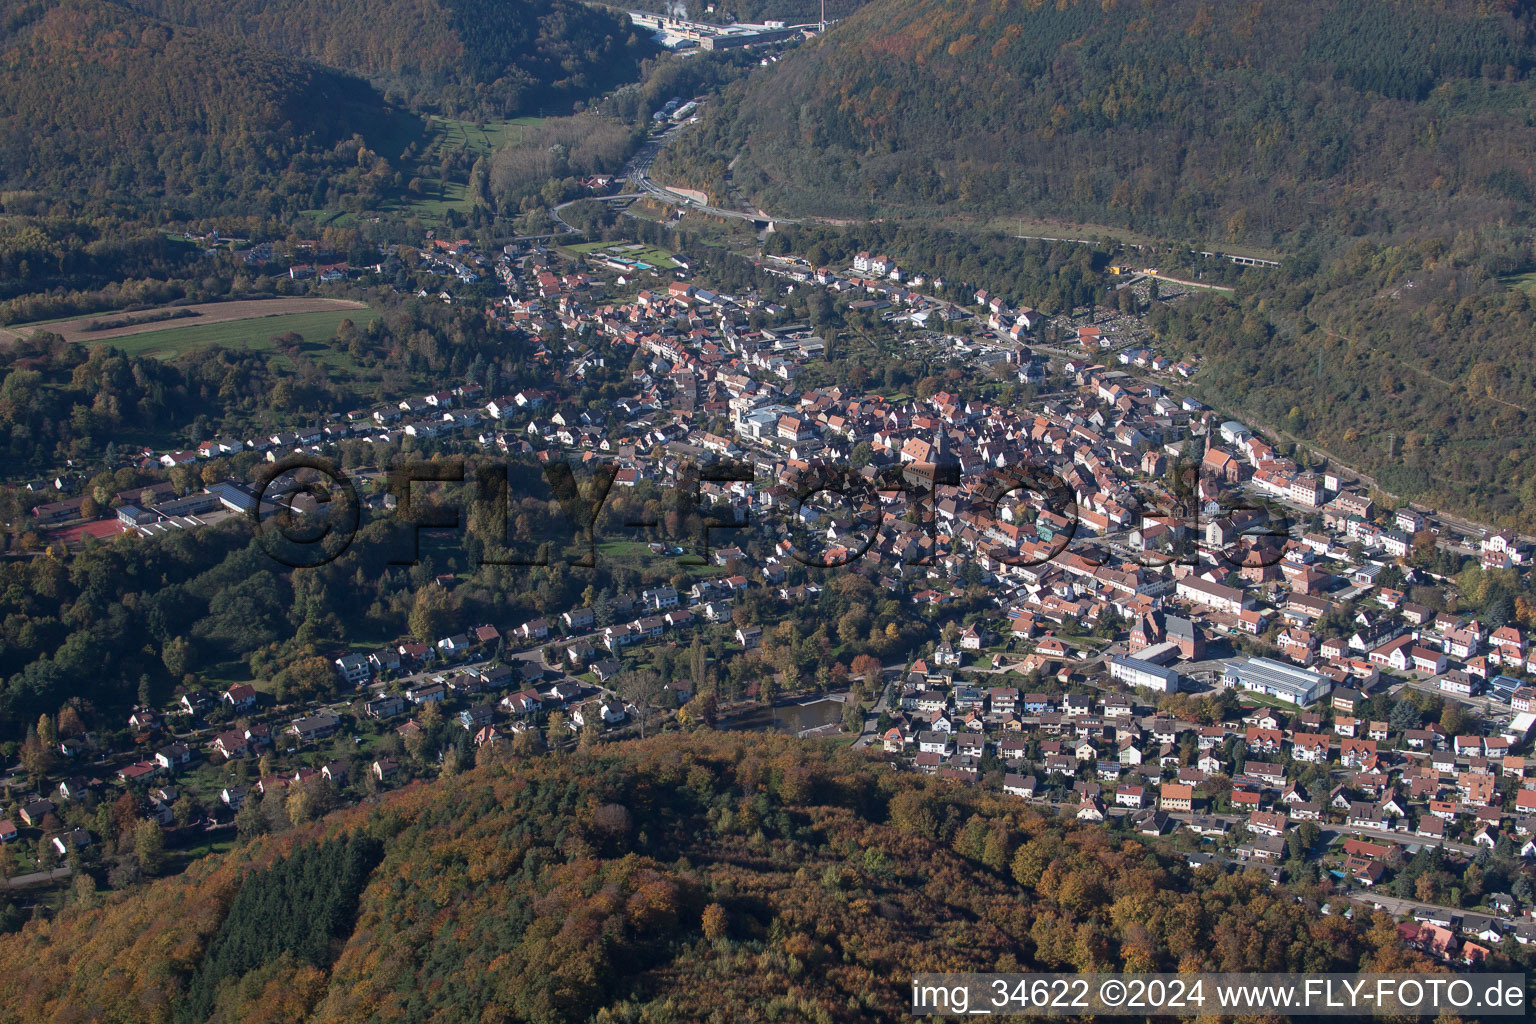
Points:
[(102, 103), (493, 59), (690, 877), (1411, 363), (38, 255), (1257, 122)]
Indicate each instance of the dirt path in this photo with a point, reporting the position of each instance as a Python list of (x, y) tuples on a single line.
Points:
[(208, 313)]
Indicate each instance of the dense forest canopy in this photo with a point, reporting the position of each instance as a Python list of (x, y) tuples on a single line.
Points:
[(100, 103), (488, 58), (38, 254), (691, 877), (1262, 123), (192, 109)]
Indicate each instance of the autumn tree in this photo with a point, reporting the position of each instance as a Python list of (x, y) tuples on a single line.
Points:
[(643, 688), (716, 923), (149, 847), (310, 799), (653, 907), (525, 743), (1030, 861), (430, 613), (70, 723), (867, 667), (178, 656), (37, 757), (556, 729)]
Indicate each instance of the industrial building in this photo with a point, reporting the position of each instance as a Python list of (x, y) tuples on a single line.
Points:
[(678, 33), (1135, 672), (1289, 683)]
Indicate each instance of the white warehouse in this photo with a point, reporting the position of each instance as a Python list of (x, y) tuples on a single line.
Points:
[(1289, 683), (1135, 672)]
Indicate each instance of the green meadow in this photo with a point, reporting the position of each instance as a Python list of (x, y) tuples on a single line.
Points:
[(256, 333)]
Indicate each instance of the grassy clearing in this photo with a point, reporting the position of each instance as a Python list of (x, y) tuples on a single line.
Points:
[(437, 199), (1253, 698), (67, 318), (1525, 282), (224, 674), (446, 135), (254, 334), (637, 252), (478, 137), (637, 555)]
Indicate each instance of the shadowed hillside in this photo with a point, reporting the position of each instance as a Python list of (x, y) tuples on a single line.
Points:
[(97, 101), (489, 58)]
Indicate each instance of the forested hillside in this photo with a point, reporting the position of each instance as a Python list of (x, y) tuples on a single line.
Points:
[(691, 877), (487, 58), (1412, 363), (1265, 123), (97, 101)]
